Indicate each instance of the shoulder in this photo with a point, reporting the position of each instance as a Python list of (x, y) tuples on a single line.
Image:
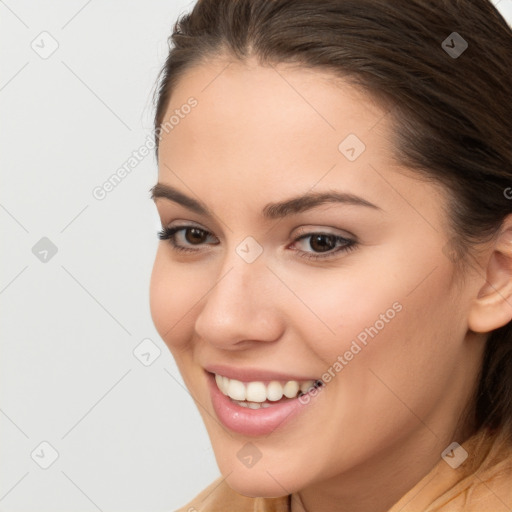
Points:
[(219, 497), (481, 481), (489, 486)]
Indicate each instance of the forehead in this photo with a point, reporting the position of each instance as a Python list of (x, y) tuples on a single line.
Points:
[(273, 131), (266, 98)]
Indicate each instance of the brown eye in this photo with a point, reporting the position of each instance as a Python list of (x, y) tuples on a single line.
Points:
[(195, 235), (322, 243), (315, 246), (182, 238)]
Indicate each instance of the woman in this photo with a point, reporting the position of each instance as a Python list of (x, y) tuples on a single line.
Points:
[(334, 278)]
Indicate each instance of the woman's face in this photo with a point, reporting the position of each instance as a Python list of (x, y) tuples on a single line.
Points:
[(265, 293)]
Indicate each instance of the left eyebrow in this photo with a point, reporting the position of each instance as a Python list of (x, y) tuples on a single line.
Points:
[(276, 210), (312, 200)]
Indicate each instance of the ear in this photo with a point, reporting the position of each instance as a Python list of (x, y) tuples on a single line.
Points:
[(492, 307)]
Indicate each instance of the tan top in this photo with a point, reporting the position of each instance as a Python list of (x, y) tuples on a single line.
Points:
[(482, 483)]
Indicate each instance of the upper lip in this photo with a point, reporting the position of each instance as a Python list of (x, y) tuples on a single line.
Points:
[(254, 374)]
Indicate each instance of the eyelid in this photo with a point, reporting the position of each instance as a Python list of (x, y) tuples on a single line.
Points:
[(324, 231), (184, 224), (303, 230), (349, 243), (188, 224)]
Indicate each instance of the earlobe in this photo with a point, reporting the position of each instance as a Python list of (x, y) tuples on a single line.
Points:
[(492, 307)]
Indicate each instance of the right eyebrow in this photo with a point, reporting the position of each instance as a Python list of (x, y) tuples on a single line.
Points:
[(173, 194), (276, 210)]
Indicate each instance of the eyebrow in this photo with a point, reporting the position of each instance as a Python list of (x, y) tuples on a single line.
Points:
[(277, 210)]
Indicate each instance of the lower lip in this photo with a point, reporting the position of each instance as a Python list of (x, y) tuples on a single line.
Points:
[(251, 422)]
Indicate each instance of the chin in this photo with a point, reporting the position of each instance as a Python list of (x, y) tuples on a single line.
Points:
[(266, 479), (262, 486)]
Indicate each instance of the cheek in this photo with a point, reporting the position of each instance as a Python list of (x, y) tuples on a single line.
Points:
[(173, 294), (339, 308), (411, 358), (369, 321)]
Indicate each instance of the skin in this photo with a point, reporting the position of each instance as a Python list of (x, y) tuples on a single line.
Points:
[(264, 134)]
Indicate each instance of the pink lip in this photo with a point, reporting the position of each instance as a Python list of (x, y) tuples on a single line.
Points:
[(252, 422), (254, 374)]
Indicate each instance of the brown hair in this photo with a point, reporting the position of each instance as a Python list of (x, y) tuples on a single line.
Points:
[(452, 114)]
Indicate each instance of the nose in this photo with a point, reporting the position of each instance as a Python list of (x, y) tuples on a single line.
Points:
[(242, 306)]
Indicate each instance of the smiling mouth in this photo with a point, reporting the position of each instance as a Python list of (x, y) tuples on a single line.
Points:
[(258, 395)]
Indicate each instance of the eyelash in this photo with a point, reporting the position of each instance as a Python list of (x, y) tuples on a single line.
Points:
[(168, 234)]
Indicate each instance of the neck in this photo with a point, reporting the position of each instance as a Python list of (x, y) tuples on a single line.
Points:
[(375, 485)]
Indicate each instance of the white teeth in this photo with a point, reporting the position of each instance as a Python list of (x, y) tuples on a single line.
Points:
[(224, 383), (253, 405), (306, 386), (235, 389), (275, 391), (256, 392), (291, 389), (221, 382), (251, 394)]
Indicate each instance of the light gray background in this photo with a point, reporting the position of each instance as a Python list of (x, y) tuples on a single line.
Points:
[(127, 434)]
